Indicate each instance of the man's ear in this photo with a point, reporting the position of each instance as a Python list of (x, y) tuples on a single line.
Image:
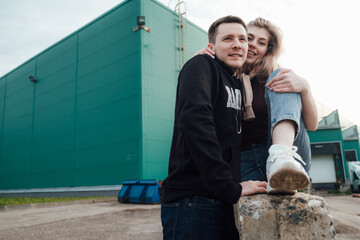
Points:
[(211, 46)]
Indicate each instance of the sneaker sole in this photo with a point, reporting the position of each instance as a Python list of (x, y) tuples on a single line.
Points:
[(281, 192), (273, 191), (289, 179)]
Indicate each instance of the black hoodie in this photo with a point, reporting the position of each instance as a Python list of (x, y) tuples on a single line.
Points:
[(205, 151)]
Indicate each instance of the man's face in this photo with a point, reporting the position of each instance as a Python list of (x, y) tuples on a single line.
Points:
[(231, 44)]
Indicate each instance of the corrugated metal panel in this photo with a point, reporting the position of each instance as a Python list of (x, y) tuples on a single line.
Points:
[(329, 130), (160, 71), (79, 124), (102, 109), (2, 110), (17, 128), (108, 113), (54, 110)]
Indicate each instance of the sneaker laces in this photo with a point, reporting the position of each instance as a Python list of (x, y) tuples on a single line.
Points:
[(292, 152)]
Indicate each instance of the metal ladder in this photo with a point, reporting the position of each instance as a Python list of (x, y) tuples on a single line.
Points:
[(180, 9)]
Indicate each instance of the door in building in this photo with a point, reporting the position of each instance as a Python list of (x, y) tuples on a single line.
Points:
[(323, 169)]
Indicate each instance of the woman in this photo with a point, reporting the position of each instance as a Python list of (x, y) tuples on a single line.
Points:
[(284, 108)]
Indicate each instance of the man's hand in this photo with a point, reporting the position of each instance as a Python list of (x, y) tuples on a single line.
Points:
[(253, 187)]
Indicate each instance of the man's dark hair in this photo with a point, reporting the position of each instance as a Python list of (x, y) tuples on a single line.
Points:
[(227, 19)]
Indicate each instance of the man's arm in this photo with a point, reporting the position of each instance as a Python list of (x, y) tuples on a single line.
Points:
[(197, 93)]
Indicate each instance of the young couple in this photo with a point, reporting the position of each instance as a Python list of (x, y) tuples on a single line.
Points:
[(216, 157)]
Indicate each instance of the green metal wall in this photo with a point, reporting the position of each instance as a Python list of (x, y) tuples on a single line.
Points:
[(17, 127), (160, 69), (351, 140), (329, 130), (102, 109), (108, 105), (80, 124), (332, 135), (353, 145), (325, 135)]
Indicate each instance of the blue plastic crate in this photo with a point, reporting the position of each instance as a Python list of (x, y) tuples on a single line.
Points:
[(139, 191)]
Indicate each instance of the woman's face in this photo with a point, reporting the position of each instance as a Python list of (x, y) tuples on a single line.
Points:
[(258, 39)]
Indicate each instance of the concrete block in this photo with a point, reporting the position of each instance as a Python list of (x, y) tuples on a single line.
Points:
[(291, 217)]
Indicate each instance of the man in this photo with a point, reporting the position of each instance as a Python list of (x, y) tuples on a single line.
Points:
[(202, 185)]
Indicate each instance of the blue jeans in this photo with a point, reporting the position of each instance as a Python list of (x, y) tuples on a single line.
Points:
[(198, 218), (281, 106)]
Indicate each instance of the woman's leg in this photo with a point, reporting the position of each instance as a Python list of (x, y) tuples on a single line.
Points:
[(286, 108), (284, 133), (283, 171)]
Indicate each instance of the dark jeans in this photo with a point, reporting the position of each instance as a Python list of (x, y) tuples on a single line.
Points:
[(198, 218), (253, 163)]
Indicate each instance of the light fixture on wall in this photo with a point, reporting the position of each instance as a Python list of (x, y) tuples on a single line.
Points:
[(141, 20), (141, 24), (32, 79)]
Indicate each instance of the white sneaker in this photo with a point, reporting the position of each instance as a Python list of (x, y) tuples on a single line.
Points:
[(284, 173)]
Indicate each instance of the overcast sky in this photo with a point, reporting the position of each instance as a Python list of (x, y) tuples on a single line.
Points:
[(321, 37)]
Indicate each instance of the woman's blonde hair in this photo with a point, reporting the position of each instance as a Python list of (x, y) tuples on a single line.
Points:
[(269, 63)]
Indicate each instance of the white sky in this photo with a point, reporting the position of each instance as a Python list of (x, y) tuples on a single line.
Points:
[(321, 37)]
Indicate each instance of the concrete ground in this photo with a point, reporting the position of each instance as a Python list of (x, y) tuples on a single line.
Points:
[(346, 213), (112, 220)]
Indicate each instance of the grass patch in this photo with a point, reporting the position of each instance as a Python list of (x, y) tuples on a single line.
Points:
[(338, 192), (32, 200)]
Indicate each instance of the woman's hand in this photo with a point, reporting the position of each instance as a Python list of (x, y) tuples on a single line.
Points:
[(207, 51), (288, 81)]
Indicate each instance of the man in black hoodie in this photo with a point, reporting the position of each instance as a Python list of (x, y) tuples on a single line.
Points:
[(203, 182)]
